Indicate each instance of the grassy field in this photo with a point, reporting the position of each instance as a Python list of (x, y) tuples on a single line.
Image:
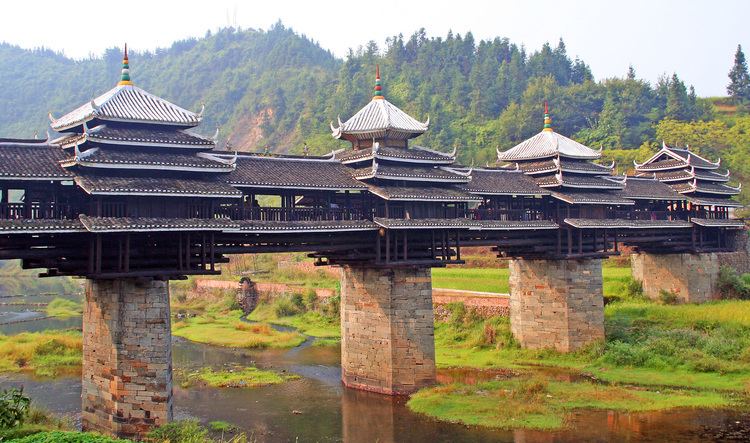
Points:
[(537, 403), (62, 307), (48, 353), (496, 279), (655, 357), (694, 346), (226, 329), (239, 377), (311, 323)]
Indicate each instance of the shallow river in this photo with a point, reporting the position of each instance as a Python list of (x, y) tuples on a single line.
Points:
[(325, 411)]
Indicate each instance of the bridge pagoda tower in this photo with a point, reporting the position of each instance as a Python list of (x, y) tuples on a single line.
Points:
[(556, 297), (146, 180), (693, 274), (387, 323)]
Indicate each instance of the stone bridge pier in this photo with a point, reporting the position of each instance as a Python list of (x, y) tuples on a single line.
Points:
[(556, 303), (693, 278), (387, 329), (127, 356)]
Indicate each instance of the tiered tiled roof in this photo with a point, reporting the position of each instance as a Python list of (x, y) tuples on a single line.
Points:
[(143, 160), (128, 128), (502, 182), (116, 134), (31, 160), (255, 171), (565, 167), (413, 154), (690, 174), (127, 103), (422, 193), (379, 119), (148, 224), (164, 186), (638, 188)]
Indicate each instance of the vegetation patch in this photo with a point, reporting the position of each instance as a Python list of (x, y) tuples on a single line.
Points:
[(49, 353), (191, 431), (536, 403), (63, 307), (228, 330), (238, 377), (307, 314), (496, 279), (697, 346)]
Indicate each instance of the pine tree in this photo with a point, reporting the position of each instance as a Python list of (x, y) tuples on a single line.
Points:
[(739, 84)]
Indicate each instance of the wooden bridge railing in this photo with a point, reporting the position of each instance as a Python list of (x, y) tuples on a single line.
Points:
[(291, 214), (35, 210)]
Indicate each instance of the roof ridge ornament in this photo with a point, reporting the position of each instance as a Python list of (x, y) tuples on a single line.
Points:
[(125, 73), (378, 87), (203, 108), (547, 118), (215, 137)]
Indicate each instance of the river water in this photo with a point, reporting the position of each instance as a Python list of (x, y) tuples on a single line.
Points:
[(317, 408)]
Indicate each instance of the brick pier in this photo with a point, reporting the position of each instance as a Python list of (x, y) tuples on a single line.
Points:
[(387, 329), (556, 303), (691, 277), (127, 356)]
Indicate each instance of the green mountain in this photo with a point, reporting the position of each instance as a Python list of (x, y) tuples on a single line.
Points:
[(279, 89)]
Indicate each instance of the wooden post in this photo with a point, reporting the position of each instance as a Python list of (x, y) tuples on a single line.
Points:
[(127, 252)]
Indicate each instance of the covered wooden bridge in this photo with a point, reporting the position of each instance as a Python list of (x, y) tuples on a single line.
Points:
[(129, 197)]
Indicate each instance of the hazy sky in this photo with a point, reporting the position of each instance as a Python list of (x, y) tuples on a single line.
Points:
[(695, 38)]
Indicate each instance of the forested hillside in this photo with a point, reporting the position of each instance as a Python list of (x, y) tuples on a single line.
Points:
[(279, 89)]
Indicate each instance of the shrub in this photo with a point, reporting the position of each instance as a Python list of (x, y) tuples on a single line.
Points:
[(298, 301), (731, 285), (633, 289), (311, 300), (68, 437), (283, 307), (14, 406), (667, 297), (332, 307), (184, 431)]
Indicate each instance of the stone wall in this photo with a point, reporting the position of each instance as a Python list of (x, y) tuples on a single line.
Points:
[(691, 277), (482, 304), (387, 329), (740, 259), (127, 357), (556, 303)]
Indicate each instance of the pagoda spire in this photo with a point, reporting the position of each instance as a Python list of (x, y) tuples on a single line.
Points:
[(125, 76), (547, 118), (378, 88)]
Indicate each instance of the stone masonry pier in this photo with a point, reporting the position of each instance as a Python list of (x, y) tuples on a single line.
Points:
[(127, 357), (692, 278), (387, 329), (556, 303)]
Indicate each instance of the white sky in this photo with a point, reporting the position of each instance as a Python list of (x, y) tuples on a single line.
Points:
[(695, 38)]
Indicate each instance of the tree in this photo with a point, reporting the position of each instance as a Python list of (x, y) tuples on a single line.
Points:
[(739, 80)]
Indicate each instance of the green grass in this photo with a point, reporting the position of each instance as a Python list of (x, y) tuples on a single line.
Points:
[(472, 279), (694, 346), (247, 377), (62, 307), (496, 279), (67, 437), (534, 403), (227, 329), (312, 323), (48, 353)]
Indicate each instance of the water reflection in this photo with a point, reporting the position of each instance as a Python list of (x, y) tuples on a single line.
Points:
[(317, 408)]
